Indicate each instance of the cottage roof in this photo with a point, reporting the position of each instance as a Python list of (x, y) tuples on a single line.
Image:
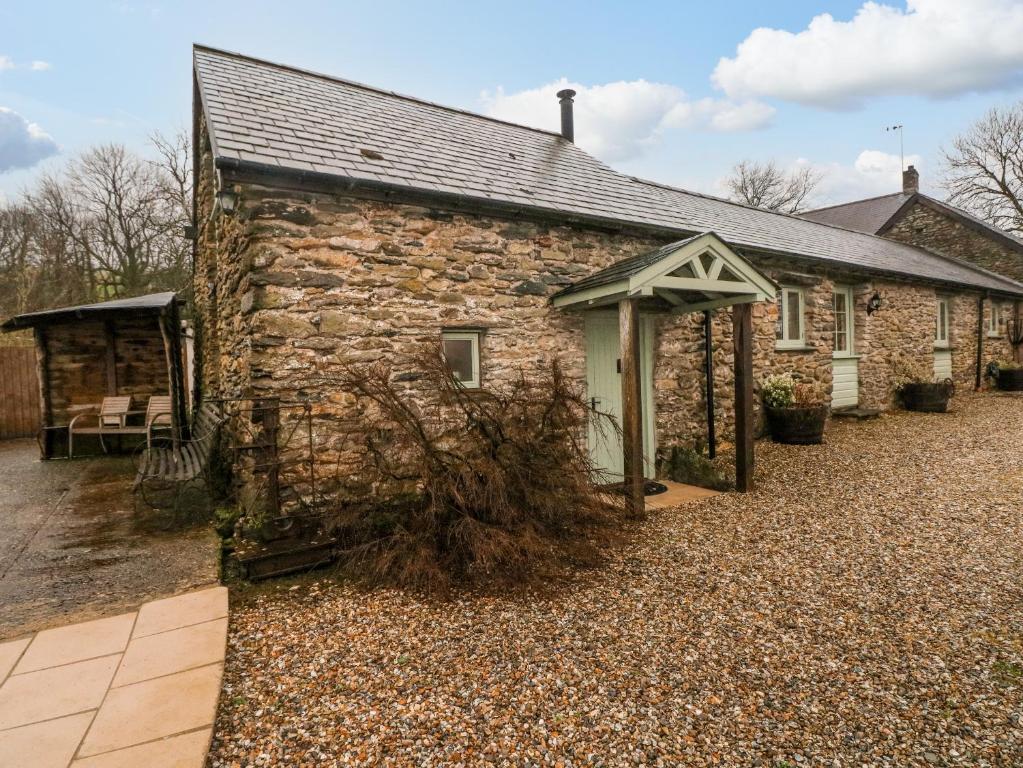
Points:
[(879, 214), (153, 303), (267, 118)]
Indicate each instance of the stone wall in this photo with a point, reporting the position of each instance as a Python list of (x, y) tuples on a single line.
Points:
[(293, 283), (77, 364), (929, 228)]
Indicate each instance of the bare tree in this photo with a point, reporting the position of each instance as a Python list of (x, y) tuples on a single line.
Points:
[(765, 185), (984, 168), (110, 223)]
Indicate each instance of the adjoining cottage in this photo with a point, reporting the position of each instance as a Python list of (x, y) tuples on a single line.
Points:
[(340, 221), (912, 217)]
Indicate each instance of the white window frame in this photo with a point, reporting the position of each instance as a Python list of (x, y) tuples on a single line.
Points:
[(474, 338), (784, 342), (850, 318), (942, 334), (994, 324)]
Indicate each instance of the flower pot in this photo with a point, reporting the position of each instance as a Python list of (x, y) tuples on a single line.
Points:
[(797, 425), (1010, 379), (929, 397)]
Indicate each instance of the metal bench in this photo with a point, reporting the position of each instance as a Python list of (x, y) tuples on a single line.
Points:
[(171, 475)]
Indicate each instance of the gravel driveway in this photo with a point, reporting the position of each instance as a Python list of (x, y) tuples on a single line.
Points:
[(863, 607)]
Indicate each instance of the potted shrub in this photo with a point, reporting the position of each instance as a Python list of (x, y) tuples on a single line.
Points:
[(920, 391), (1009, 376), (796, 414)]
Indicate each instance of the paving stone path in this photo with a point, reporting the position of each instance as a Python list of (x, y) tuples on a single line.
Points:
[(138, 689)]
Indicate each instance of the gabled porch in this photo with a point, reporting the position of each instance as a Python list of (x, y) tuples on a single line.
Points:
[(699, 274)]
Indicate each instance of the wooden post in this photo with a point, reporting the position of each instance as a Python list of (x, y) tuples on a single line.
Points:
[(45, 402), (632, 405), (168, 352), (708, 351), (111, 356), (742, 340)]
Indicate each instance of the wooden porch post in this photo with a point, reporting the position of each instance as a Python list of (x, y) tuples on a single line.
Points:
[(111, 357), (632, 405), (742, 340)]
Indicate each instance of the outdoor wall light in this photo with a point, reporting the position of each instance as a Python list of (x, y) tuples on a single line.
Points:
[(874, 303), (228, 200)]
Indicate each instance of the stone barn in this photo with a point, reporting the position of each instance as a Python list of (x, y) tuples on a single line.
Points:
[(341, 222)]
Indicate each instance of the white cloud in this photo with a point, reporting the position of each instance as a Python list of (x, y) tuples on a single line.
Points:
[(6, 62), (22, 144), (40, 66), (932, 47), (619, 121)]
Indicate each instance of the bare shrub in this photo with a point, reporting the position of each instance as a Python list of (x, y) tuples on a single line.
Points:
[(468, 483)]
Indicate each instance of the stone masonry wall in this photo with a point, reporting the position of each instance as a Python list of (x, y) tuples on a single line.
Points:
[(293, 283), (928, 228), (931, 229)]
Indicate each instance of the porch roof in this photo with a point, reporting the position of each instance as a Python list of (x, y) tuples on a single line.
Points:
[(699, 272), (153, 303)]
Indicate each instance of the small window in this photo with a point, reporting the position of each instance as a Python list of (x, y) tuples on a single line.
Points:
[(941, 324), (843, 307), (462, 353), (994, 320), (789, 333)]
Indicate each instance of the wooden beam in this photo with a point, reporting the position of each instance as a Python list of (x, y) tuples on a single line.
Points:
[(703, 285), (702, 306), (632, 405), (708, 351), (111, 356), (45, 401), (742, 341)]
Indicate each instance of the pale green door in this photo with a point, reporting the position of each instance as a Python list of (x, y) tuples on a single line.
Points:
[(604, 392)]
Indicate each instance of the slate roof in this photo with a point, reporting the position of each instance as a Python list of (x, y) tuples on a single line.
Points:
[(626, 267), (153, 303), (868, 215), (267, 117), (878, 214)]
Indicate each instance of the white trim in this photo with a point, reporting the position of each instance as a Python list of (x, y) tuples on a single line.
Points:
[(751, 285), (473, 337), (994, 321), (850, 322), (786, 342), (942, 334)]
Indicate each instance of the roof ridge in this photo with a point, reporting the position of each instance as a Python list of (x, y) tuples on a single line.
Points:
[(364, 86), (857, 202)]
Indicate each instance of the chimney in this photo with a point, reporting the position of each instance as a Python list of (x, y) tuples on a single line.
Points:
[(910, 181), (567, 123)]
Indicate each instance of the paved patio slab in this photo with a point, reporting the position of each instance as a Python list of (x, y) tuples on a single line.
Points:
[(138, 689)]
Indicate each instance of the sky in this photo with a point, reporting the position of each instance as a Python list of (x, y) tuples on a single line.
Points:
[(676, 92)]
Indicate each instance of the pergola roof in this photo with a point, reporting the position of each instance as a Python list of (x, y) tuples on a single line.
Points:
[(153, 303), (700, 272)]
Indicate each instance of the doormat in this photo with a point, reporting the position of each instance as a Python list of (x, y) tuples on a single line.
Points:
[(650, 488)]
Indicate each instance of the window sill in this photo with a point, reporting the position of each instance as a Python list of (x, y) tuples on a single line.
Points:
[(842, 356), (798, 348), (994, 336)]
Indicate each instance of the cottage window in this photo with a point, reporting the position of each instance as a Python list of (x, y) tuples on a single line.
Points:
[(941, 324), (462, 353), (994, 320), (843, 307), (790, 332)]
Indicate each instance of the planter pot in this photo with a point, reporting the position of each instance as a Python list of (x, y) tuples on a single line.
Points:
[(797, 426), (931, 397), (1010, 379)]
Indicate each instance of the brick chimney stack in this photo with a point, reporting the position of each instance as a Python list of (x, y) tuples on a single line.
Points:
[(910, 181)]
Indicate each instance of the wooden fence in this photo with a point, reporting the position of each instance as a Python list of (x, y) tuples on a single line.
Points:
[(19, 393)]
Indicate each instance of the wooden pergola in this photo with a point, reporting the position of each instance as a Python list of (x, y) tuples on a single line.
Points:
[(112, 348), (700, 273)]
